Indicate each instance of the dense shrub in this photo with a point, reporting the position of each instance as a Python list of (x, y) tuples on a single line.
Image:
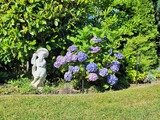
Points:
[(91, 60), (128, 26), (29, 24), (136, 35), (156, 4)]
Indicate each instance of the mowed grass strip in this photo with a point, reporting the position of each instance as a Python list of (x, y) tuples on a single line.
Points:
[(130, 104)]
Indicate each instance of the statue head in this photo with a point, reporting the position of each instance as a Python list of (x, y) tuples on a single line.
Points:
[(42, 52)]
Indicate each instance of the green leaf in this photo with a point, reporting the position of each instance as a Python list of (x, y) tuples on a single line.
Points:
[(19, 55), (48, 47), (33, 32), (32, 42), (44, 22), (56, 22), (106, 86), (21, 20), (25, 48)]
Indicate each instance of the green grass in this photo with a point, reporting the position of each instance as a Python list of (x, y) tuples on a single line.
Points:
[(130, 104)]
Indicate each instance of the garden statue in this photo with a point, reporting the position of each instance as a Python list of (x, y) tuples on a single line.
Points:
[(39, 67)]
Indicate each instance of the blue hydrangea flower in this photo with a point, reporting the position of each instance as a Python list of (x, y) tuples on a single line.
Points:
[(97, 40), (92, 76), (95, 49), (71, 68), (81, 56), (72, 48), (76, 69), (115, 66), (105, 38), (112, 79), (68, 76), (74, 58), (103, 72), (118, 55), (92, 67)]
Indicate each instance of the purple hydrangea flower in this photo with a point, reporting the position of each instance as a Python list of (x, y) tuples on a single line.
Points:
[(74, 58), (60, 60), (57, 64), (76, 69), (68, 76), (112, 79), (68, 57), (92, 67), (63, 60), (92, 76), (118, 55), (115, 66), (95, 39), (95, 49), (103, 72), (72, 48), (68, 54), (81, 56)]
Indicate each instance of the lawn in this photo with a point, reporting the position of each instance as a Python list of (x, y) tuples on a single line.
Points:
[(131, 104)]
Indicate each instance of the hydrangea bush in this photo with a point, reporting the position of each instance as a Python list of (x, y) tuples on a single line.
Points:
[(92, 60)]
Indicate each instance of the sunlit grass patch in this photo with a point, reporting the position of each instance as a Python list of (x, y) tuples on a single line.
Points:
[(130, 104)]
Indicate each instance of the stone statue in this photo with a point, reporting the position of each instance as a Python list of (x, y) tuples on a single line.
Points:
[(39, 67)]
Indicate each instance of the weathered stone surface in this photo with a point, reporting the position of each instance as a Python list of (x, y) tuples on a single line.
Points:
[(39, 67)]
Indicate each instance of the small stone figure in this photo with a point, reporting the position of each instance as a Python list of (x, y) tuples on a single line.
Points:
[(39, 67)]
